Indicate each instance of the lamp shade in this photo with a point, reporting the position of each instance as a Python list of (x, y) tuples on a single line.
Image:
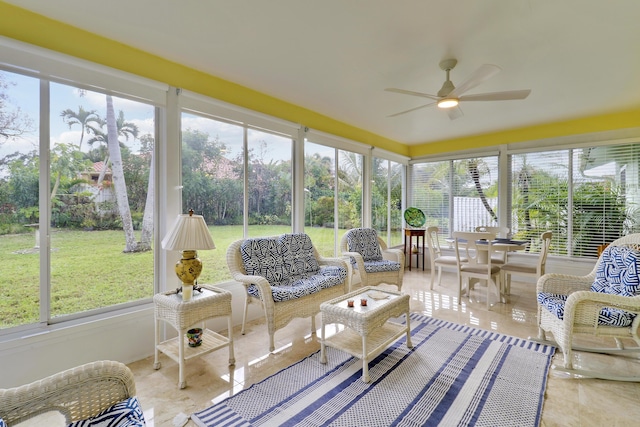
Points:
[(188, 232)]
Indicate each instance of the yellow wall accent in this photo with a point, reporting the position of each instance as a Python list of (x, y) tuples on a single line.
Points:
[(20, 24)]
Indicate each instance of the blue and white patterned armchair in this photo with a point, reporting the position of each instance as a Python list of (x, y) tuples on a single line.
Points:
[(373, 263), (604, 303), (287, 276)]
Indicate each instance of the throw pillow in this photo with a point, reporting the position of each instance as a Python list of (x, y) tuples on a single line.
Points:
[(123, 414), (365, 242), (263, 257), (298, 254)]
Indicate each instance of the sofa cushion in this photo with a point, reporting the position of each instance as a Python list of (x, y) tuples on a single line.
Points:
[(298, 254), (617, 271), (365, 242), (123, 414), (306, 284), (263, 257), (608, 316)]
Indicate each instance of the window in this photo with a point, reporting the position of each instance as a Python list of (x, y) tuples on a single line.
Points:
[(583, 195), (333, 201), (586, 195), (214, 167), (269, 188), (457, 195), (90, 169), (101, 158), (19, 199), (386, 200)]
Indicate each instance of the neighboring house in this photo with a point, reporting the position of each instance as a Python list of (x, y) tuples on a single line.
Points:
[(100, 193)]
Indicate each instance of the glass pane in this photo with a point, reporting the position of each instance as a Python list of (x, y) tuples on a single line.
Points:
[(101, 217), (431, 193), (319, 184), (539, 197), (396, 192), (386, 200), (349, 191), (475, 201), (605, 196), (270, 183), (212, 180), (380, 196), (19, 210)]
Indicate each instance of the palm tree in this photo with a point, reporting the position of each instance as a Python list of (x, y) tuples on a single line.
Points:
[(120, 186), (473, 167), (82, 118), (124, 128)]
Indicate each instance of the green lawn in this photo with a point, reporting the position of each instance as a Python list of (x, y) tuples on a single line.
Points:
[(89, 269)]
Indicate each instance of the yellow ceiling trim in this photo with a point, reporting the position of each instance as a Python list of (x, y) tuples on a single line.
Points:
[(29, 27), (600, 123)]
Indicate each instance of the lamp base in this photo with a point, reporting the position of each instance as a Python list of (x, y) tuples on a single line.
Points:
[(187, 292), (188, 270)]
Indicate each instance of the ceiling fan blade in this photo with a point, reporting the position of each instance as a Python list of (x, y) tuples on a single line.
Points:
[(412, 109), (455, 112), (497, 96), (483, 73), (412, 93)]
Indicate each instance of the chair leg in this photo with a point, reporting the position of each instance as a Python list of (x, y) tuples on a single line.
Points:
[(439, 276), (568, 357), (313, 324), (433, 272), (244, 314)]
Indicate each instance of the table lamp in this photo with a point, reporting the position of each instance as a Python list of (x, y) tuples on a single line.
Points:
[(188, 233)]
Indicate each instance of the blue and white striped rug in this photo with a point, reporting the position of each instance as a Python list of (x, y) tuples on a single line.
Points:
[(454, 376)]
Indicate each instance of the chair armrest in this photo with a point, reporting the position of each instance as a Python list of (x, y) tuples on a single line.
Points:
[(264, 288), (564, 284), (78, 393), (396, 255), (359, 261), (338, 262)]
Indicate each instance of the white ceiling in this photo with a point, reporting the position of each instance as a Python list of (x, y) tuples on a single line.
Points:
[(336, 57)]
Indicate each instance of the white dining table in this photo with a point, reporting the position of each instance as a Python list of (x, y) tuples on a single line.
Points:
[(506, 245)]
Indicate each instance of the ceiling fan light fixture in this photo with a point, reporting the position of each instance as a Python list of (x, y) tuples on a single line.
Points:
[(448, 103)]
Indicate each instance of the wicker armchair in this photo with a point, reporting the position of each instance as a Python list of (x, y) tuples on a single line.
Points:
[(373, 262), (78, 393), (589, 312), (266, 287)]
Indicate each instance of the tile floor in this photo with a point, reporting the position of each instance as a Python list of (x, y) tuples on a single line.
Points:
[(568, 401)]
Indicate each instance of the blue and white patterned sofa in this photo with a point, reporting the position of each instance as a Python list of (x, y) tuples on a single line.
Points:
[(287, 276), (605, 302), (373, 263)]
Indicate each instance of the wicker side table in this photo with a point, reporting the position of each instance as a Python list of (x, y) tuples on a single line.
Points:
[(170, 308), (367, 331)]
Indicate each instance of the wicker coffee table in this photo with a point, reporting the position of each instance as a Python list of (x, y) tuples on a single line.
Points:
[(367, 331)]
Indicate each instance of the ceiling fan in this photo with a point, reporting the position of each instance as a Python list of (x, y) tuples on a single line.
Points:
[(449, 96)]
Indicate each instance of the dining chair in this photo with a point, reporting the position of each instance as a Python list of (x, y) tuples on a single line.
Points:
[(526, 269), (503, 232), (471, 245), (435, 255)]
